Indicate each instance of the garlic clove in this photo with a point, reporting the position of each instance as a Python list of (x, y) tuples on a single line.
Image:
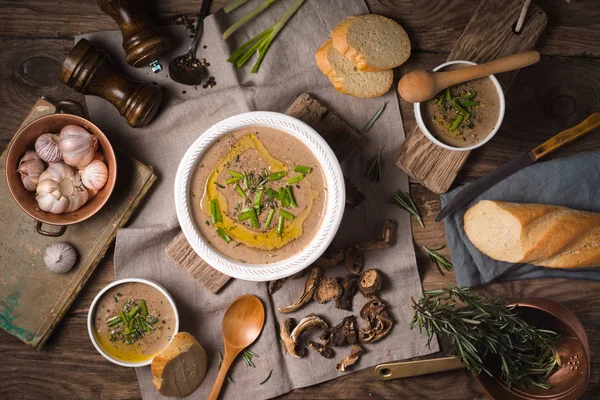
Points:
[(77, 146), (60, 257), (94, 175), (47, 147), (30, 168), (47, 202)]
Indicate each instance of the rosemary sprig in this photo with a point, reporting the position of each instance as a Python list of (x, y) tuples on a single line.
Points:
[(248, 356), (404, 201), (375, 171), (439, 259), (489, 336), (267, 378), (374, 118)]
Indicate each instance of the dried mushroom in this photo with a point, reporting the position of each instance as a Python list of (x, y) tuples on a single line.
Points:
[(378, 320), (343, 334), (330, 259), (328, 289), (370, 282), (383, 242), (355, 259), (353, 196), (275, 285), (309, 289), (349, 289), (291, 337), (354, 356), (323, 350)]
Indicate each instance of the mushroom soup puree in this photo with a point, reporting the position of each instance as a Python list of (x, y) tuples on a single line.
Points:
[(150, 326), (258, 195)]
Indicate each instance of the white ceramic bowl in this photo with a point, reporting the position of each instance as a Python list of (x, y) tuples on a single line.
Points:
[(90, 319), (334, 206), (430, 136)]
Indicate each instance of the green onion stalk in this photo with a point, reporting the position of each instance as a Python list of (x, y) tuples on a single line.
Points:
[(248, 17)]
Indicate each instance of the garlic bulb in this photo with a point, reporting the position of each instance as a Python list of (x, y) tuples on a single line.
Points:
[(60, 257), (94, 175), (46, 146), (30, 168), (60, 189), (77, 146)]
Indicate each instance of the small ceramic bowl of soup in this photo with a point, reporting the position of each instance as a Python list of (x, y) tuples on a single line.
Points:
[(465, 116), (131, 320), (259, 196)]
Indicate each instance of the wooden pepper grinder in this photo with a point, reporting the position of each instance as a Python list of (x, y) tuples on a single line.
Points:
[(142, 45), (88, 70)]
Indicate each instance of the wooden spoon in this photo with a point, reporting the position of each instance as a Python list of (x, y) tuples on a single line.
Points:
[(242, 323), (421, 85)]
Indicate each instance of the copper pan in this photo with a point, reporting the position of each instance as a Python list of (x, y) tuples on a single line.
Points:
[(568, 383), (25, 139)]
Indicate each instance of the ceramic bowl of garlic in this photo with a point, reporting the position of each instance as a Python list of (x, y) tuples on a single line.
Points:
[(61, 170)]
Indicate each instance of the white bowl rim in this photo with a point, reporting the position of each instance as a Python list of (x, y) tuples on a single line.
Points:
[(90, 319), (430, 136), (334, 207)]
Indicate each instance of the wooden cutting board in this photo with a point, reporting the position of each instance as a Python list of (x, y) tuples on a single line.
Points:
[(32, 299), (342, 139), (488, 35)]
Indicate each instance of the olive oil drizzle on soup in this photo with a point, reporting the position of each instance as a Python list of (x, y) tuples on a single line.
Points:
[(465, 114), (258, 195)]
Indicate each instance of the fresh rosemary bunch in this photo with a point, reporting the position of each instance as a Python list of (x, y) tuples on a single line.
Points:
[(487, 334)]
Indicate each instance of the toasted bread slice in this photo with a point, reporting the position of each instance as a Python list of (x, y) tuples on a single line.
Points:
[(180, 368), (346, 78), (372, 42)]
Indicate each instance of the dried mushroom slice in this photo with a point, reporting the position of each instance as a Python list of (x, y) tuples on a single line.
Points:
[(378, 320), (349, 289), (311, 321), (385, 240), (355, 259), (353, 196), (370, 282), (343, 334), (309, 289), (291, 337), (351, 359), (328, 289), (323, 350), (275, 285), (330, 259), (286, 337)]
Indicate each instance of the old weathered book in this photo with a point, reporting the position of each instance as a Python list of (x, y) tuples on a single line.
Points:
[(33, 299)]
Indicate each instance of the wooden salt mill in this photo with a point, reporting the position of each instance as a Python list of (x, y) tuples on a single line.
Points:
[(88, 70), (142, 45)]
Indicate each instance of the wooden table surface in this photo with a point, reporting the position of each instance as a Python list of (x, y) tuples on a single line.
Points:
[(560, 91)]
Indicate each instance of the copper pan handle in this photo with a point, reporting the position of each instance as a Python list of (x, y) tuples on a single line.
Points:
[(406, 369), (59, 232), (63, 107)]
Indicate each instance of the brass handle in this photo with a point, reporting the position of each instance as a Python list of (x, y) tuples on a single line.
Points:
[(60, 232), (568, 135), (406, 369)]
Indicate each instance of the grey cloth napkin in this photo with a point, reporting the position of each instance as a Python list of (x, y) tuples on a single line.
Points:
[(572, 182), (288, 70)]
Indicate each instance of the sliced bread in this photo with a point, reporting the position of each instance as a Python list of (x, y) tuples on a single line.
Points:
[(180, 368), (372, 42), (346, 78)]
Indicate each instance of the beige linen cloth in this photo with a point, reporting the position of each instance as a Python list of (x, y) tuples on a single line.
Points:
[(288, 70)]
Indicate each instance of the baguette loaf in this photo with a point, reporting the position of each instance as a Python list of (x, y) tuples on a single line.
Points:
[(346, 78), (543, 235), (180, 368)]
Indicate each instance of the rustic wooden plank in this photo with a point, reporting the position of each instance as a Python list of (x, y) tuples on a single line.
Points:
[(426, 162)]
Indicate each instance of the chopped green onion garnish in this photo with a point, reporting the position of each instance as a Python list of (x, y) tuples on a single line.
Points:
[(144, 307), (240, 191), (219, 185), (448, 94), (469, 103), (269, 218), (469, 95), (224, 235), (133, 312), (288, 189), (123, 317), (245, 214), (280, 226), (296, 179), (459, 108), (277, 175), (287, 215), (258, 198), (456, 122), (215, 211), (235, 174), (218, 209), (233, 180), (272, 193), (284, 197), (117, 320), (246, 182), (302, 169)]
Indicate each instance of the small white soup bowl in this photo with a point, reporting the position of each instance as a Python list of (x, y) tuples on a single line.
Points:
[(334, 205), (430, 136), (92, 311)]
